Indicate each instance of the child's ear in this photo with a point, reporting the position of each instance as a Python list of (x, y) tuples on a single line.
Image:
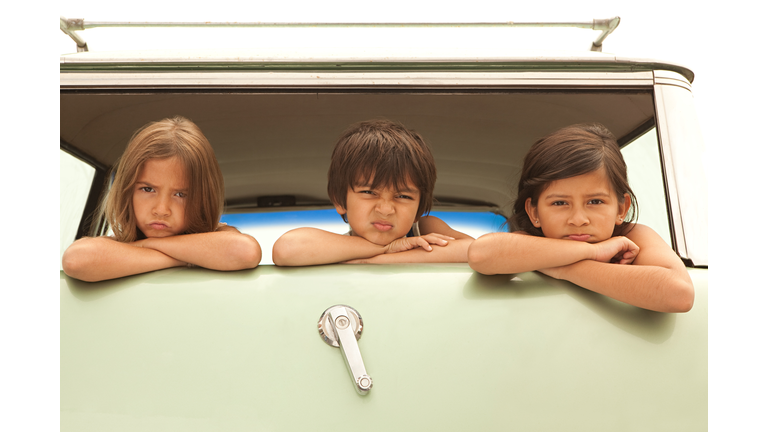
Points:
[(533, 214), (623, 209), (340, 210)]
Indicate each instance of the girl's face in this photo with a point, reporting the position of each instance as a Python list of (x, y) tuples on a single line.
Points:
[(581, 208), (159, 197)]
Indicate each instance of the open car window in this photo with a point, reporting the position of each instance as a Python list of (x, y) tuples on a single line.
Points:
[(75, 178), (267, 227)]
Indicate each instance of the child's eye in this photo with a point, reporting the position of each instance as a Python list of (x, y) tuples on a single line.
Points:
[(181, 194), (559, 203), (595, 201), (146, 189), (408, 197)]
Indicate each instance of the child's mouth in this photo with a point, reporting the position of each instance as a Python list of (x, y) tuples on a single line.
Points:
[(579, 237), (382, 226), (158, 226)]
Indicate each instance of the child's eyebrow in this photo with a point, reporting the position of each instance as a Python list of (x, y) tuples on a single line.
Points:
[(556, 196), (596, 194), (405, 190), (146, 183)]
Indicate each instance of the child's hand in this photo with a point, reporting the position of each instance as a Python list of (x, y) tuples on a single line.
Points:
[(617, 250), (408, 243)]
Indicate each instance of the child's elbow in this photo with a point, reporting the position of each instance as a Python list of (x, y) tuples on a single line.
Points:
[(70, 263), (290, 249), (76, 263), (249, 253), (283, 249), (478, 256), (683, 299)]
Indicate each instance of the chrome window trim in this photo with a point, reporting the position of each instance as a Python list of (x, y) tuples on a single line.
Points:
[(671, 78), (678, 162), (673, 204), (453, 80)]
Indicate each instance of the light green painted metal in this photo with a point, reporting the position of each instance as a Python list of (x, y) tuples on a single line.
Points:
[(447, 348)]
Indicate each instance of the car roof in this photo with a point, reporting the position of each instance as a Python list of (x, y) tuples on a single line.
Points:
[(415, 57)]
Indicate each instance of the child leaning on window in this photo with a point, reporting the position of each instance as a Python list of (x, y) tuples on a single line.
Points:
[(164, 208), (380, 180)]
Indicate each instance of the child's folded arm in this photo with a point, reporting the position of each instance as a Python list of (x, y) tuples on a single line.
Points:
[(455, 251), (650, 287), (518, 252), (312, 246), (450, 245), (225, 249), (656, 279), (95, 259)]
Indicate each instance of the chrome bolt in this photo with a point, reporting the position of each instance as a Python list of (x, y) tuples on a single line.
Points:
[(364, 382), (342, 322)]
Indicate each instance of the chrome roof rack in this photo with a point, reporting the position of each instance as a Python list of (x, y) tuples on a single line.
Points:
[(69, 26)]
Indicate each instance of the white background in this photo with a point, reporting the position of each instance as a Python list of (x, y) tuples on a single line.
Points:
[(723, 43)]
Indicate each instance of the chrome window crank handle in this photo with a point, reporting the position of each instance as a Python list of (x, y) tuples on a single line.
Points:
[(341, 326)]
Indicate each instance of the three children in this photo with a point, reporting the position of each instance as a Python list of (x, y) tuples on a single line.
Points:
[(571, 213)]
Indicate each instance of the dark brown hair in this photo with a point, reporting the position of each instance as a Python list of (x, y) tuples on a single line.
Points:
[(570, 152), (386, 153), (172, 137)]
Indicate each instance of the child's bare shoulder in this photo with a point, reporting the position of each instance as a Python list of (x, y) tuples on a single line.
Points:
[(435, 225)]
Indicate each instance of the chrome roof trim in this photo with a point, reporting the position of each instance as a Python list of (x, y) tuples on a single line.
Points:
[(671, 78), (357, 59), (266, 79)]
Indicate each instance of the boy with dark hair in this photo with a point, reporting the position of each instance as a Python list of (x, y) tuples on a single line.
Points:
[(380, 180)]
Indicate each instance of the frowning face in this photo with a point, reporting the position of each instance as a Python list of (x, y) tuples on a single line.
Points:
[(383, 214), (582, 208), (159, 198)]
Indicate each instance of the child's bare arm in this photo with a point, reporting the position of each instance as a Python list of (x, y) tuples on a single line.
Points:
[(455, 251), (312, 246), (431, 224), (95, 259), (656, 280), (224, 249), (519, 252)]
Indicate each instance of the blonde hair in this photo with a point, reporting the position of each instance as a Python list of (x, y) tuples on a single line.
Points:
[(171, 137)]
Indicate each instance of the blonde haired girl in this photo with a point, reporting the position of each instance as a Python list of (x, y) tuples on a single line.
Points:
[(164, 208)]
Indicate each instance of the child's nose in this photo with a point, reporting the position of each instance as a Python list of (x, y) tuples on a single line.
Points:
[(385, 207), (161, 207), (578, 217)]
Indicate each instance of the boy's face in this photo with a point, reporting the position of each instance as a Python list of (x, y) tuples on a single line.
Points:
[(381, 215)]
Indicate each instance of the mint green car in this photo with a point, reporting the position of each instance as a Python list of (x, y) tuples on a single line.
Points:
[(379, 347)]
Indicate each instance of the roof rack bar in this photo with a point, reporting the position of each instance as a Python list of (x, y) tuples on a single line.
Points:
[(607, 26), (68, 26)]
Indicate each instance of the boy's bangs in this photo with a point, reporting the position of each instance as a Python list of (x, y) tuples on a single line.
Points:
[(388, 174)]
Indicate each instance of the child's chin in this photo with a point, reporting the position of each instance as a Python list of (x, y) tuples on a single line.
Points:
[(378, 241), (382, 240)]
